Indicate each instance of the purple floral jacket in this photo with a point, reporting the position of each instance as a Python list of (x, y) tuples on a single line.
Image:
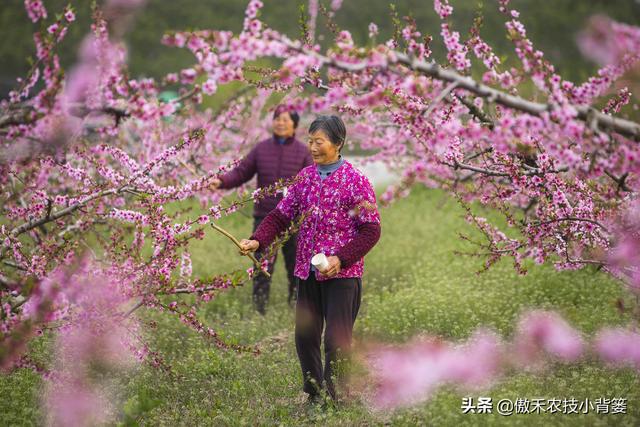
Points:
[(336, 209)]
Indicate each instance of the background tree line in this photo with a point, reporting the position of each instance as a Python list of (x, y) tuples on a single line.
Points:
[(552, 28)]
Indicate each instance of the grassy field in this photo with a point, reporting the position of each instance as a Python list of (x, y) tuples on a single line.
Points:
[(414, 284)]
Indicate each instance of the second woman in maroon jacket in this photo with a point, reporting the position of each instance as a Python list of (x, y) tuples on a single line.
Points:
[(281, 156)]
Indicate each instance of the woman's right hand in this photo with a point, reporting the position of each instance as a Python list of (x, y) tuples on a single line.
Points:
[(215, 184), (247, 246)]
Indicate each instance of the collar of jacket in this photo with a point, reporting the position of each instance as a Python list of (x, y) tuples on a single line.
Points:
[(330, 168), (335, 172), (287, 141)]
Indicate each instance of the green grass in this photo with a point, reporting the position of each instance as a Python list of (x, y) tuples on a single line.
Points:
[(414, 284)]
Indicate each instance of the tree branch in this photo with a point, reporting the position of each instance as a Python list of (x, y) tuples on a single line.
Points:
[(432, 69), (572, 219), (620, 181), (59, 214), (532, 171)]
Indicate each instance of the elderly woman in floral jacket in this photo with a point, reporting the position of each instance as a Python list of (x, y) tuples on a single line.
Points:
[(341, 221)]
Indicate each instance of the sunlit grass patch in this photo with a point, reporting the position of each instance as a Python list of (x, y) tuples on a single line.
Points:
[(414, 285)]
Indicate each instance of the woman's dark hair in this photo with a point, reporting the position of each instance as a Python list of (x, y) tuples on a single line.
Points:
[(292, 113), (333, 127)]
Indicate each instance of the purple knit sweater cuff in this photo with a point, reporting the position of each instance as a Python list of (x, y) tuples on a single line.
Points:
[(223, 183), (367, 237), (271, 226)]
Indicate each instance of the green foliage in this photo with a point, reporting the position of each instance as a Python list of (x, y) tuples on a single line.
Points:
[(137, 406), (20, 404)]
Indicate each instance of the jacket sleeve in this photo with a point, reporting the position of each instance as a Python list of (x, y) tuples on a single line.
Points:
[(366, 219), (367, 237), (271, 226), (242, 173), (363, 202)]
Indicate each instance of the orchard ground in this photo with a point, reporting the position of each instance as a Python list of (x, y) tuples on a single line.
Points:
[(414, 284)]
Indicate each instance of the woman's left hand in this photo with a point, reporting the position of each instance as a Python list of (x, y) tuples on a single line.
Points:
[(334, 266)]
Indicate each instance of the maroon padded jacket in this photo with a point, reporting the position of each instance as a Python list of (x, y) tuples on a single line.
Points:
[(271, 161)]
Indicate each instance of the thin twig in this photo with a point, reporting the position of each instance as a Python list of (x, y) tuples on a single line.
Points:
[(440, 97), (137, 306)]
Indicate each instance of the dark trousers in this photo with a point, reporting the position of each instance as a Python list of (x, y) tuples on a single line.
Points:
[(262, 283), (333, 302)]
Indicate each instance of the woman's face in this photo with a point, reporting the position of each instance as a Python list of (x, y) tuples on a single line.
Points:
[(322, 149), (283, 125)]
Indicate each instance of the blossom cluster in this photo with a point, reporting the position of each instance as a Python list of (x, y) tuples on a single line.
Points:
[(413, 372)]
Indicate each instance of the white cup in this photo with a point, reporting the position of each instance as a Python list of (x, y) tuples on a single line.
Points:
[(320, 262)]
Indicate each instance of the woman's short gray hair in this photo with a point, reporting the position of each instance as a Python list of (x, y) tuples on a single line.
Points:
[(332, 126)]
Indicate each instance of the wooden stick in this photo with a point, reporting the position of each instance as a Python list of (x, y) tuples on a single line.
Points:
[(237, 243)]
